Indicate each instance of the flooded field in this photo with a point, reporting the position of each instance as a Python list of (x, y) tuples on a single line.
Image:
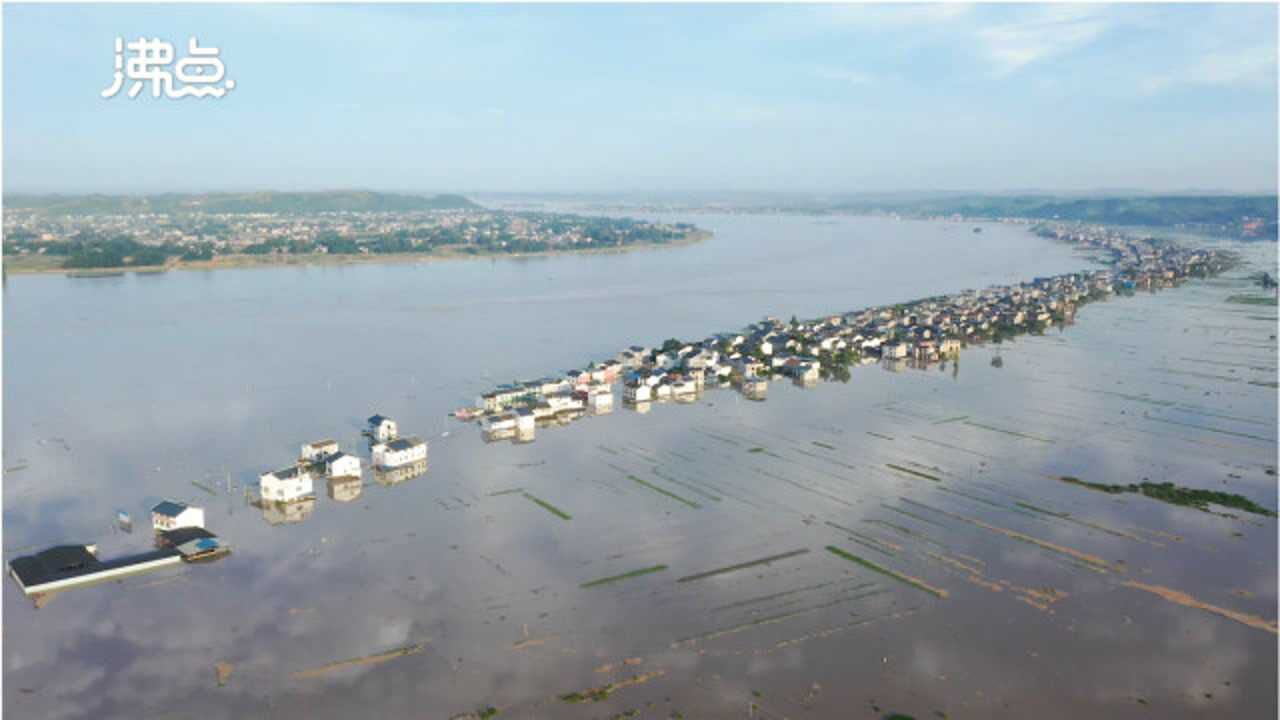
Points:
[(976, 539)]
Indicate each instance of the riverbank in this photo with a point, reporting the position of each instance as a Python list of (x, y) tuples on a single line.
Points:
[(44, 264)]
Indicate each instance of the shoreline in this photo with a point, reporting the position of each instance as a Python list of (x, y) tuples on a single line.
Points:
[(248, 262)]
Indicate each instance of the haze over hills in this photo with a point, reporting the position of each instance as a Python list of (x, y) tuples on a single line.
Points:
[(1233, 215), (246, 202)]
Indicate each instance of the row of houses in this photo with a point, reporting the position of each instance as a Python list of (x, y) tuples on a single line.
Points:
[(924, 331)]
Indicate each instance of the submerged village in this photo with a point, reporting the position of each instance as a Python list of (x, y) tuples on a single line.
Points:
[(915, 334)]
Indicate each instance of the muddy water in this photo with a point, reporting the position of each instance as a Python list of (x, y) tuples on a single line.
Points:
[(988, 588)]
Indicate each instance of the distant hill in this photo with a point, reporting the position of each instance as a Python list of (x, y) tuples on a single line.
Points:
[(254, 202), (1226, 212)]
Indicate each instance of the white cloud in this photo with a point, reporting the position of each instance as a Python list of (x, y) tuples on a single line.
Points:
[(1048, 32), (1251, 66)]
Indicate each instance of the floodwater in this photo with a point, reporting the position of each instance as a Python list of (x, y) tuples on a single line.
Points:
[(994, 590)]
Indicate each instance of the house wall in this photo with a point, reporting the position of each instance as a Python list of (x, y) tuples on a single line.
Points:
[(345, 466), (386, 457), (273, 488)]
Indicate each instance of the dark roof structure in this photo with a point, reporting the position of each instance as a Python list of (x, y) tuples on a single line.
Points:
[(169, 508), (404, 443), (66, 562)]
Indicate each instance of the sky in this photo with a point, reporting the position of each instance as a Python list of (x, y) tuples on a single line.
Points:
[(652, 98)]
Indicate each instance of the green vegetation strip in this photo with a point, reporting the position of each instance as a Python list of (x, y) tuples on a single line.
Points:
[(908, 532), (712, 634), (909, 471), (824, 445), (958, 418), (868, 541), (911, 515), (743, 566), (623, 576), (668, 493), (972, 497), (687, 485), (550, 508), (1252, 300), (1213, 429), (1014, 433), (506, 492), (775, 596), (1176, 495), (913, 582)]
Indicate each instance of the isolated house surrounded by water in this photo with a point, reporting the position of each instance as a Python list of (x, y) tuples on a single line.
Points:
[(383, 429), (66, 566), (403, 451), (291, 483), (170, 515)]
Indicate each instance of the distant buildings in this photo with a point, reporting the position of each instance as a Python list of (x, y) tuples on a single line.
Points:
[(913, 334)]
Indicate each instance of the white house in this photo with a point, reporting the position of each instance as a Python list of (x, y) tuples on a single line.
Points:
[(893, 351), (402, 451), (170, 515), (383, 429), (291, 483), (498, 421), (636, 393), (601, 402), (317, 451), (341, 464)]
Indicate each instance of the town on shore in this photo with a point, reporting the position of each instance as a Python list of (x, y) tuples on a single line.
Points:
[(925, 331), (35, 241)]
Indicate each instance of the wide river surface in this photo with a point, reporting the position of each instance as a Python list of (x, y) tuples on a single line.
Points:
[(987, 588)]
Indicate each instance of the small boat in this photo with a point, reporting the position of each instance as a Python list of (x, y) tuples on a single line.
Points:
[(124, 521), (466, 414)]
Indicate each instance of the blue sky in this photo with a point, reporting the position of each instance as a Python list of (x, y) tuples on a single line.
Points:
[(591, 98)]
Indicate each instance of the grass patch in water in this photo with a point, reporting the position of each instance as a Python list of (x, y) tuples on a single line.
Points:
[(668, 493), (1177, 495), (1252, 300), (623, 576), (743, 566), (550, 508), (913, 582), (909, 471)]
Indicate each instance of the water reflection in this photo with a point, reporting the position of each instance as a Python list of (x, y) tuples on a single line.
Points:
[(277, 512), (491, 579), (345, 489), (388, 476)]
